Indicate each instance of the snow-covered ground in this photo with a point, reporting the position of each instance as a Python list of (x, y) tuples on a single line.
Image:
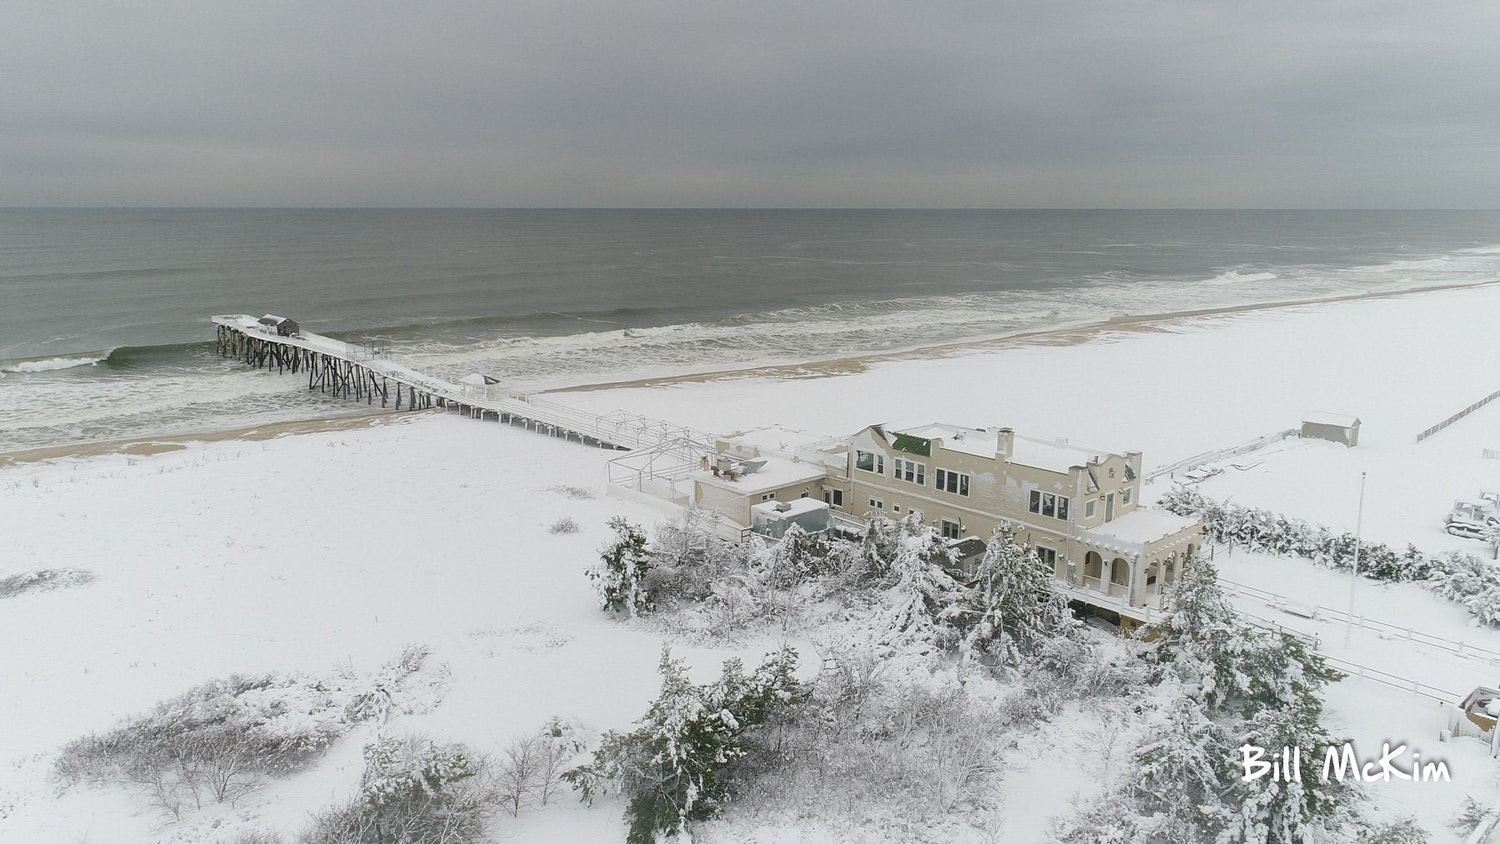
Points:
[(321, 550), (304, 554)]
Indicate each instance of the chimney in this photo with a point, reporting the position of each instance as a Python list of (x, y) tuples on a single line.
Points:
[(1005, 443)]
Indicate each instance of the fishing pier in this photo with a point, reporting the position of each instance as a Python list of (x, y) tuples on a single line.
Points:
[(360, 372)]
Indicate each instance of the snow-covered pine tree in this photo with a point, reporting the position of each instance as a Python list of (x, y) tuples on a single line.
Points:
[(798, 556), (1012, 606), (623, 564), (923, 605), (673, 768), (1233, 667), (1275, 811), (1179, 789)]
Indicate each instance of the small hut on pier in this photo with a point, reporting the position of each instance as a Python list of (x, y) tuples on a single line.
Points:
[(281, 325)]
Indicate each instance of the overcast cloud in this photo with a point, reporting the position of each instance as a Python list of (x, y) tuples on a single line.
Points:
[(1129, 103)]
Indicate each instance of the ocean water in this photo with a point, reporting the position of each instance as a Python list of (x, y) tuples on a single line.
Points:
[(104, 330)]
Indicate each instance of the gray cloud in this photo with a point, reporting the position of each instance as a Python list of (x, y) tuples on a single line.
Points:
[(657, 102)]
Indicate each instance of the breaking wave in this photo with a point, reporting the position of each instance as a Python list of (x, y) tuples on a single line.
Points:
[(54, 363)]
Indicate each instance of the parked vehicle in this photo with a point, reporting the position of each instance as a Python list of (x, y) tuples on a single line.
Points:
[(1473, 519)]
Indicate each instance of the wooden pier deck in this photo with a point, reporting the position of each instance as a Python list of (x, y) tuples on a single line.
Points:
[(364, 373)]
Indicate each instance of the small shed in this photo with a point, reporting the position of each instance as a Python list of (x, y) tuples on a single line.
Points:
[(772, 518), (281, 325), (1334, 427)]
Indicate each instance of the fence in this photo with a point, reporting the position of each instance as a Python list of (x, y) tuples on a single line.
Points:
[(1459, 415), (1456, 647), (1416, 687), (1219, 454)]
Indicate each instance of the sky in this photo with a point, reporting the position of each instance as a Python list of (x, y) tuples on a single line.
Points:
[(773, 103)]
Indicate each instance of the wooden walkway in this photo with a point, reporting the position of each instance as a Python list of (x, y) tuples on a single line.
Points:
[(365, 373)]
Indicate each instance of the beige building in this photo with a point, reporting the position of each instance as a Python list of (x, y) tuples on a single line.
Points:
[(1077, 507)]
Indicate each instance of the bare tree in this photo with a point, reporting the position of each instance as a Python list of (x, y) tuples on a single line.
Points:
[(520, 772)]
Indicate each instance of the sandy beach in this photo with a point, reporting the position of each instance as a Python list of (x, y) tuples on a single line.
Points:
[(146, 446), (1066, 336)]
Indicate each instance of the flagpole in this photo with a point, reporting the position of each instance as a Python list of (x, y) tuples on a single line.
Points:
[(1359, 522)]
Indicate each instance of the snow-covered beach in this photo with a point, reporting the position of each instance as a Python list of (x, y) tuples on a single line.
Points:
[(335, 548)]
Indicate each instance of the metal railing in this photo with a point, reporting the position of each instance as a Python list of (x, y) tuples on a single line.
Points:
[(1417, 687), (1454, 646), (1219, 454)]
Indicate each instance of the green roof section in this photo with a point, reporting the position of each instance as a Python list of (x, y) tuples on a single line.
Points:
[(912, 445)]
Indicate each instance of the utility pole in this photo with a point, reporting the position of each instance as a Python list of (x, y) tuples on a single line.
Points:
[(1359, 521)]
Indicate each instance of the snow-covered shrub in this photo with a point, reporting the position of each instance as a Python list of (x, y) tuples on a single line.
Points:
[(215, 742), (687, 558), (43, 580), (619, 575), (413, 791), (673, 769), (1462, 578), (798, 557), (374, 702), (868, 745), (530, 768), (563, 524)]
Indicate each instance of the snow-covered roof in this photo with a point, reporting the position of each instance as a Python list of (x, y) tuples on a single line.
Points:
[(774, 438), (795, 507), (1136, 529), (1318, 417), (1052, 456), (775, 474), (980, 442)]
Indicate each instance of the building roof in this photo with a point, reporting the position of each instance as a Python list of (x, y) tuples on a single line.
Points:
[(795, 507), (1136, 529), (980, 442), (1056, 456), (1341, 420), (776, 438), (776, 473)]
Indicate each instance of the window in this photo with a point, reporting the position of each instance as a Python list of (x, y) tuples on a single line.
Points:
[(870, 462), (954, 482), (768, 496), (833, 497), (952, 530), (1125, 495), (895, 508), (877, 503), (906, 470), (1047, 556), (1088, 509), (1052, 506)]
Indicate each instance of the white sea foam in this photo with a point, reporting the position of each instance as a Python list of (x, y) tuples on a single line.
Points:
[(53, 364), (1237, 277)]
